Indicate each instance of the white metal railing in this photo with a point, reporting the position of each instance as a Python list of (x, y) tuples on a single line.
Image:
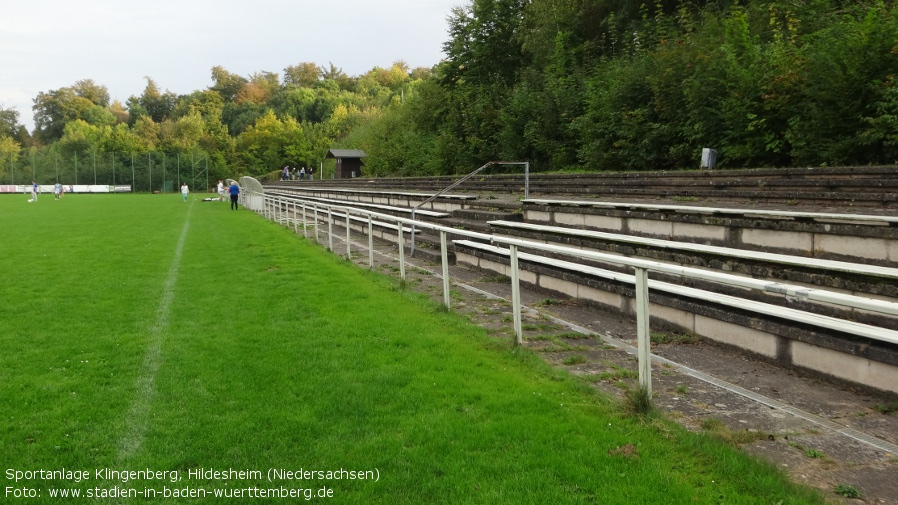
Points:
[(824, 265), (814, 216), (284, 210)]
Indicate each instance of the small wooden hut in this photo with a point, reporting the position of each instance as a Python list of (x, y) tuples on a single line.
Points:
[(349, 162)]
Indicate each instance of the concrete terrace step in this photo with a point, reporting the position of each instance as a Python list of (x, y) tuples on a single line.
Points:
[(427, 246), (831, 186), (467, 224), (480, 214)]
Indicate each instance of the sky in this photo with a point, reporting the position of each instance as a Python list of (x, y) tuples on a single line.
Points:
[(50, 44)]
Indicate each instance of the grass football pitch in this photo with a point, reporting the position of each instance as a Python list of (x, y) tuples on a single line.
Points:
[(155, 351)]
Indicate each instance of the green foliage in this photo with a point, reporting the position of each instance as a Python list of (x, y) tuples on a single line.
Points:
[(888, 407), (848, 491), (814, 454), (639, 401), (9, 153), (152, 103), (271, 142), (9, 122), (620, 85), (568, 85)]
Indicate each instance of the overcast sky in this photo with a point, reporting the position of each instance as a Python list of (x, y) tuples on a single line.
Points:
[(50, 44)]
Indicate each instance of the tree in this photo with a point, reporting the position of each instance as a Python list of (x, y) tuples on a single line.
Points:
[(337, 76), (80, 136), (120, 112), (226, 84), (305, 74), (9, 154), (54, 109), (483, 59), (97, 94), (9, 122), (271, 143), (159, 106), (147, 131)]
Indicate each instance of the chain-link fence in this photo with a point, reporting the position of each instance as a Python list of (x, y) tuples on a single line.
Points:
[(144, 172)]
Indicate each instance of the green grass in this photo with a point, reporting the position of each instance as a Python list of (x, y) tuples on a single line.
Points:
[(815, 453), (662, 337), (249, 348), (848, 491), (888, 407), (576, 359)]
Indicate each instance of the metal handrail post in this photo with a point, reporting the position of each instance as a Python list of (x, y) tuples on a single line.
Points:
[(444, 259), (330, 229), (295, 217), (370, 242), (401, 252), (643, 336), (315, 208), (516, 295), (411, 247), (348, 251), (305, 227)]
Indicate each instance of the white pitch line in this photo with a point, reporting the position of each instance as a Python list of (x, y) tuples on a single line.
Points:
[(137, 420)]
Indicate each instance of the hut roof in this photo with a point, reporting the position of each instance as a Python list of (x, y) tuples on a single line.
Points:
[(346, 153)]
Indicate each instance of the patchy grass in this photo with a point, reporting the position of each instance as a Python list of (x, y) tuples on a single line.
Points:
[(617, 373), (576, 359), (536, 327), (886, 407), (660, 337), (548, 302), (848, 491), (814, 453), (639, 401), (719, 430), (498, 279)]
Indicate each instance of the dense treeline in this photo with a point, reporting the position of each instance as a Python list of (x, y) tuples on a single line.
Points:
[(564, 84), (619, 85), (241, 125)]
